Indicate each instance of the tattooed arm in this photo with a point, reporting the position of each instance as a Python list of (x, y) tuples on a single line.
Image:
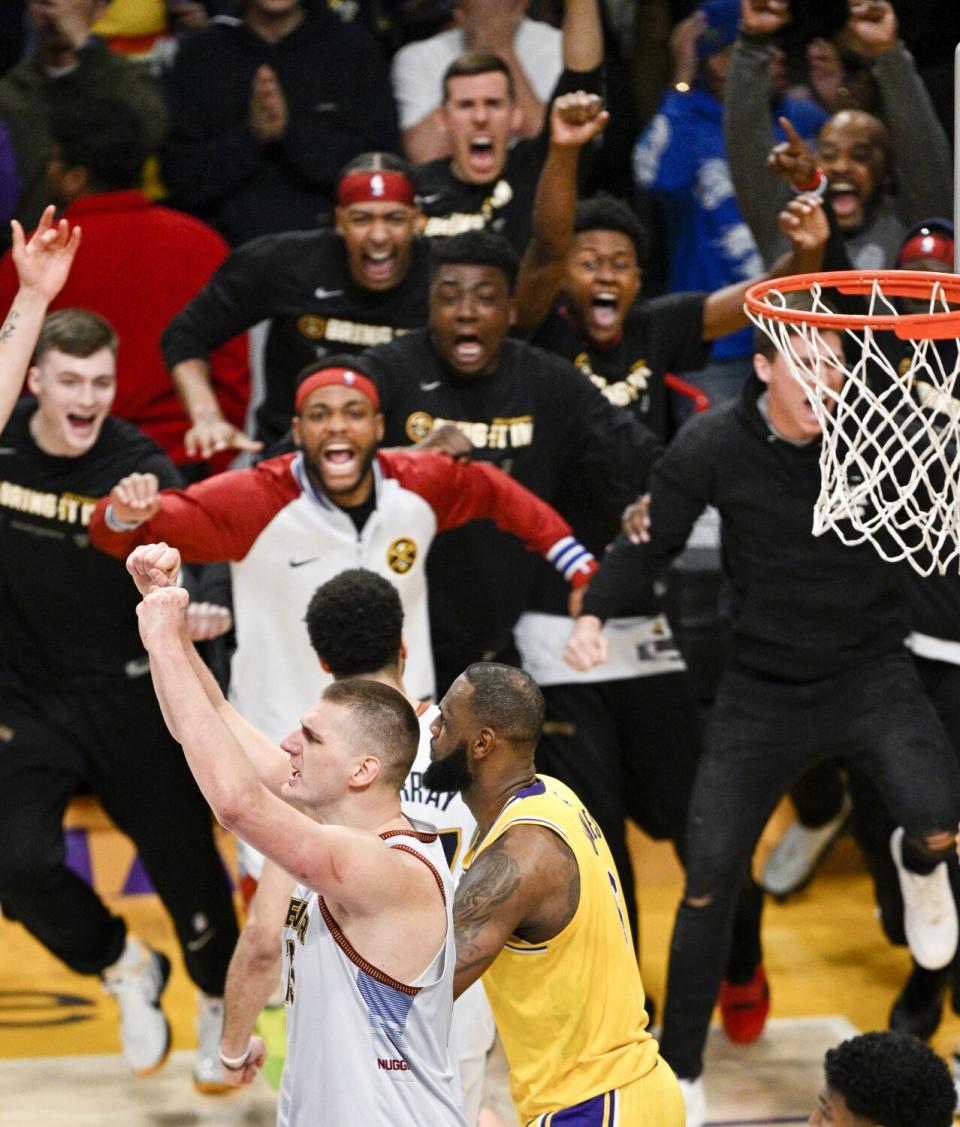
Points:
[(526, 884), (42, 265)]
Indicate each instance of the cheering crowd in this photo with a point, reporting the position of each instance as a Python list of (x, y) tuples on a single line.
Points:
[(345, 466)]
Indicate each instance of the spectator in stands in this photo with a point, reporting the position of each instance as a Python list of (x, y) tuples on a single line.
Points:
[(140, 266), (625, 346), (266, 110), (324, 291), (69, 66), (486, 183), (532, 51), (817, 669), (522, 409), (681, 159), (862, 157)]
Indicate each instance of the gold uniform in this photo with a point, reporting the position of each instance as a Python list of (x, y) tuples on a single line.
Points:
[(570, 1010)]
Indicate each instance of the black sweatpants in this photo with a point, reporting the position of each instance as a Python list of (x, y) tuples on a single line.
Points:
[(762, 737), (115, 741), (630, 749)]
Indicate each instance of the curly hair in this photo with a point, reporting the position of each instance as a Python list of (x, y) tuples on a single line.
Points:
[(892, 1078), (355, 623), (475, 248), (603, 212)]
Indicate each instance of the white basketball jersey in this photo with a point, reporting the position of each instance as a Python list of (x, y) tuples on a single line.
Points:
[(474, 1030), (363, 1048), (444, 809)]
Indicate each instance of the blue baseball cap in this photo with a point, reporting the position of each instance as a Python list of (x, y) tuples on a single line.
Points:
[(723, 20)]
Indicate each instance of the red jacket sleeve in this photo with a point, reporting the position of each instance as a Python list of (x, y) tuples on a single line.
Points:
[(214, 521), (459, 493)]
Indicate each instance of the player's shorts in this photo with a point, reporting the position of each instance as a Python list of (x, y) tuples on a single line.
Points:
[(654, 1101)]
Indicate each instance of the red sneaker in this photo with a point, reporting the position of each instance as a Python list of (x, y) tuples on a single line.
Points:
[(744, 1007)]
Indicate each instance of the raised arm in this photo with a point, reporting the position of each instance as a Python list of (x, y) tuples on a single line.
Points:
[(575, 119), (353, 867), (804, 223), (459, 493), (42, 266), (582, 35), (918, 144), (747, 126)]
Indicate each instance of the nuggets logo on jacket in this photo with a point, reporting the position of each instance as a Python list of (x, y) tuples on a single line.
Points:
[(419, 425), (402, 555)]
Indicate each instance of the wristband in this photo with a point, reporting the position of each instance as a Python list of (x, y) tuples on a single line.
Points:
[(115, 524), (235, 1064), (816, 187)]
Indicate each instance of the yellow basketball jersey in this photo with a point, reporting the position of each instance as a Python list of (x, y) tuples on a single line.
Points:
[(570, 1011)]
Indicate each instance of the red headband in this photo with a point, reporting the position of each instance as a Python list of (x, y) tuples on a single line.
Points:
[(340, 377), (927, 244), (370, 187)]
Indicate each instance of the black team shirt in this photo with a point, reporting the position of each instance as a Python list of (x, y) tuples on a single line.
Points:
[(537, 419), (69, 611), (299, 281), (504, 204), (658, 336)]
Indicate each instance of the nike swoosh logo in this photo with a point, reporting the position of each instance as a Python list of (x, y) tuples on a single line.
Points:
[(429, 386), (321, 293), (300, 563), (432, 198)]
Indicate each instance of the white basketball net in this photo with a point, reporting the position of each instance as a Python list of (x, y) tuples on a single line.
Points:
[(889, 457)]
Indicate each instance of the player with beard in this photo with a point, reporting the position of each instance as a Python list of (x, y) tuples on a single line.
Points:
[(523, 409), (539, 914), (327, 291), (294, 521), (591, 253), (486, 182)]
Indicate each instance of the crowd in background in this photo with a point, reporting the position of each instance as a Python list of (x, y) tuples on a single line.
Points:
[(219, 154)]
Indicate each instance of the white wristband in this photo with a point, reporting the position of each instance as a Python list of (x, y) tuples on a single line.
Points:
[(115, 524), (234, 1064)]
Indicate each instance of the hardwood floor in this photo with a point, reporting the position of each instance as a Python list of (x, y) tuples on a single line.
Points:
[(831, 972)]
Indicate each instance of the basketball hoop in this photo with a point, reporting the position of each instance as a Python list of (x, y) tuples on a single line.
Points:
[(890, 455)]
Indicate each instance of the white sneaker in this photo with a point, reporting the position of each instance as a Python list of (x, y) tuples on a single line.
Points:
[(695, 1099), (929, 912), (207, 1070), (796, 855), (136, 981)]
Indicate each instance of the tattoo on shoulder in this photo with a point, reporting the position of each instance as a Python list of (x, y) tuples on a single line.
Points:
[(7, 329)]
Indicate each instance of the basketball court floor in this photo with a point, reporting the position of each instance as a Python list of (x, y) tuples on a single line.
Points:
[(831, 974)]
